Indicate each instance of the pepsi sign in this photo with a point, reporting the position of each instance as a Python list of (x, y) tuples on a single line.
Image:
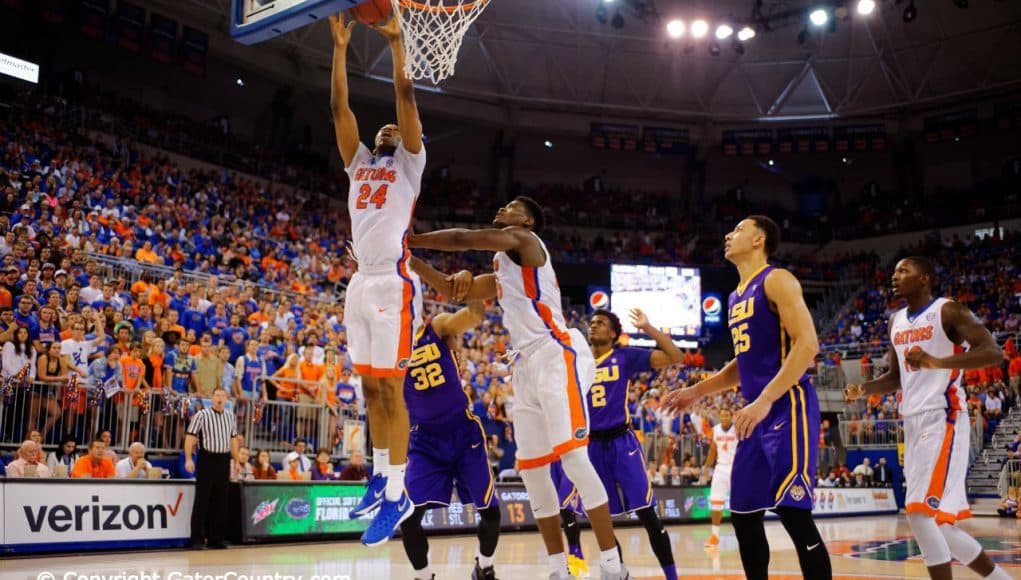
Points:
[(712, 309)]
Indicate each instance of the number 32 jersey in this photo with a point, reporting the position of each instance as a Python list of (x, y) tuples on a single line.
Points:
[(432, 387), (381, 199)]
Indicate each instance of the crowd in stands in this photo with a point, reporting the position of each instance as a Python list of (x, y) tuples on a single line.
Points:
[(865, 474)]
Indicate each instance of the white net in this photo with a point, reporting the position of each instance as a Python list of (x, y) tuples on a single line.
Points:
[(432, 32)]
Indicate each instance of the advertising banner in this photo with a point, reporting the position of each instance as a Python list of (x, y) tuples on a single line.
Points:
[(290, 509), (847, 501), (53, 514)]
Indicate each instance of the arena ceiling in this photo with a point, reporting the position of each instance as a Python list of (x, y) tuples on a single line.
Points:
[(554, 55)]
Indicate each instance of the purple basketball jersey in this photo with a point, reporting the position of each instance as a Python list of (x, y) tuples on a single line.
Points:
[(432, 387), (775, 466), (607, 399)]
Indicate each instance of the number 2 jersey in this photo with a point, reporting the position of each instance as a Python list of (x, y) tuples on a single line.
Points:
[(432, 387), (607, 399), (384, 189)]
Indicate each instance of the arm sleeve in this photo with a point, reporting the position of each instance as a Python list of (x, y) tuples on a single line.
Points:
[(195, 427)]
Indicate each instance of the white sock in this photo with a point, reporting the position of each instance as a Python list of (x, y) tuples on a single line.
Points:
[(485, 561), (716, 531), (380, 461), (998, 573), (424, 574), (609, 560), (558, 565), (395, 482)]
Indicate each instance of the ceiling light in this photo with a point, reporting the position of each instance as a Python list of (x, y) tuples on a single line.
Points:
[(724, 31), (746, 33), (675, 28), (548, 144), (819, 17), (699, 28), (865, 7)]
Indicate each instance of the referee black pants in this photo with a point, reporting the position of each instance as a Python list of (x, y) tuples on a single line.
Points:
[(209, 514)]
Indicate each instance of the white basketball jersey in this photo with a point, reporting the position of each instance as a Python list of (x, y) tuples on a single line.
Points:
[(381, 199), (926, 389), (530, 298), (726, 445)]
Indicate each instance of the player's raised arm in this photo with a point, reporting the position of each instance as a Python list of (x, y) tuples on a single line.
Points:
[(345, 125), (666, 353), (456, 323), (783, 290), (460, 240), (407, 110), (961, 325)]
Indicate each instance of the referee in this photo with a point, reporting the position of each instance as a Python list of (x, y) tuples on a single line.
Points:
[(215, 430)]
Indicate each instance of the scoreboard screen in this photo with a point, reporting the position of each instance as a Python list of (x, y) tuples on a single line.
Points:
[(670, 296)]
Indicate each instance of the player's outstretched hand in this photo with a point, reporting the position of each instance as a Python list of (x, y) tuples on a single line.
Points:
[(747, 418), (679, 399), (638, 318), (391, 30), (461, 283), (340, 30), (853, 392)]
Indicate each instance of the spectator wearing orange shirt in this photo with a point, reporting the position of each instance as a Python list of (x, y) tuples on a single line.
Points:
[(146, 254), (96, 464), (1014, 373), (308, 393)]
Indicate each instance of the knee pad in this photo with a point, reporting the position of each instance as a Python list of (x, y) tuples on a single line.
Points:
[(542, 494), (962, 546), (934, 547), (579, 470)]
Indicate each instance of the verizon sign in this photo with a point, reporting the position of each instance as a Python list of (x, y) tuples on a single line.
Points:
[(89, 511)]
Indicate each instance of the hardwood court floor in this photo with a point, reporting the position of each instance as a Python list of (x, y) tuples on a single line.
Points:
[(869, 547)]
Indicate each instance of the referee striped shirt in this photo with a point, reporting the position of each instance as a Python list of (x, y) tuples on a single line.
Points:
[(214, 430)]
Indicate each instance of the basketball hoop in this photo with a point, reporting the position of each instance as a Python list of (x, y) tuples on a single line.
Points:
[(433, 31)]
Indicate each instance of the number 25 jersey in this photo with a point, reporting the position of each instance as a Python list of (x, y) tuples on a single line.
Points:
[(384, 189), (761, 343)]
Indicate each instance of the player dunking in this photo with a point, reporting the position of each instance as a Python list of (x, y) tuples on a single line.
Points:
[(383, 305), (448, 443), (722, 449), (551, 377), (774, 342), (926, 340), (613, 447)]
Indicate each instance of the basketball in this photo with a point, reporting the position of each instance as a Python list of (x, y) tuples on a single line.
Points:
[(372, 11)]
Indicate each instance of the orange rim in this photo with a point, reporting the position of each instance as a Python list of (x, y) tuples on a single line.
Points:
[(448, 9)]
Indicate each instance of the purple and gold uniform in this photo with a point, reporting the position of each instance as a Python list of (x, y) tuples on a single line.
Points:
[(774, 466), (567, 493), (613, 447), (447, 444)]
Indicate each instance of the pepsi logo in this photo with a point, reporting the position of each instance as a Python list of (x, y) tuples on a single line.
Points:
[(711, 306), (599, 299)]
